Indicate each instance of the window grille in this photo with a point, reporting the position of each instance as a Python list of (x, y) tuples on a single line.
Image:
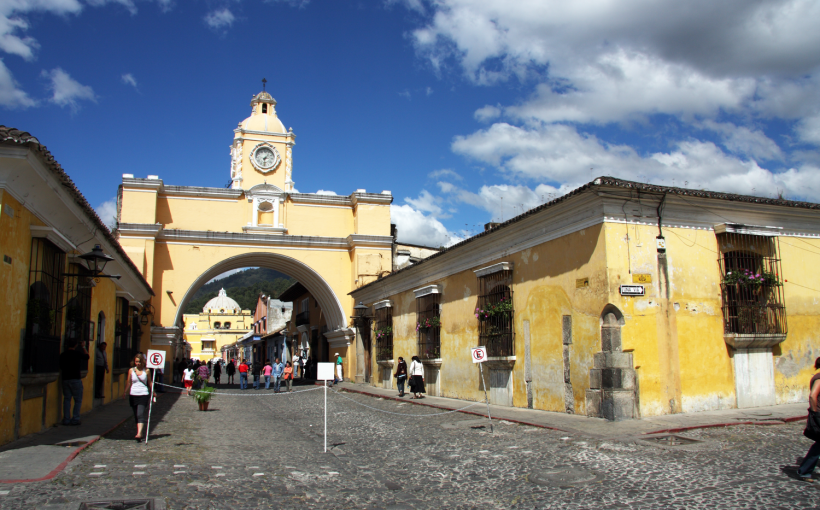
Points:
[(384, 333), (78, 306), (123, 348), (751, 285), (44, 317), (428, 328), (495, 314)]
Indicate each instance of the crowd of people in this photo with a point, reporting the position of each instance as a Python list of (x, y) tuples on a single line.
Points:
[(278, 375)]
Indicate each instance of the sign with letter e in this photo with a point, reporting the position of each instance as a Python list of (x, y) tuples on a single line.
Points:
[(479, 354), (324, 371), (155, 359)]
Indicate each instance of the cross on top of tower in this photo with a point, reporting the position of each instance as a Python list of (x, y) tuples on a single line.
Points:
[(264, 81)]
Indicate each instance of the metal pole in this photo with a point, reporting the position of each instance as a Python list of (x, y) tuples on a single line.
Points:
[(150, 405), (325, 416), (481, 368)]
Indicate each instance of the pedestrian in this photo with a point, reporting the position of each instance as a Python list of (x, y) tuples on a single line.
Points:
[(295, 365), (267, 371), (806, 468), (401, 375), (217, 372), (301, 366), (100, 369), (175, 371), (204, 374), (288, 375), (338, 376), (243, 375), (230, 370), (278, 372), (416, 378), (188, 378), (182, 367), (72, 361), (136, 388), (256, 371), (307, 372)]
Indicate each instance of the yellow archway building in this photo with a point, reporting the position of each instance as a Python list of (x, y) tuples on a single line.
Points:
[(182, 236)]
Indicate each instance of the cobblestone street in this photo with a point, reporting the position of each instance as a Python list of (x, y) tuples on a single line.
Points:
[(262, 450)]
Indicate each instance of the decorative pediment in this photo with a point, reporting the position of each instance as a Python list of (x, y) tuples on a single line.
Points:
[(264, 191)]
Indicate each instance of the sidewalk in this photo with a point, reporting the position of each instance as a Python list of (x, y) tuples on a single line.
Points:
[(598, 427), (43, 455)]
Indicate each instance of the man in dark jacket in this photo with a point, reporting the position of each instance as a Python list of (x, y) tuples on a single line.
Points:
[(72, 362)]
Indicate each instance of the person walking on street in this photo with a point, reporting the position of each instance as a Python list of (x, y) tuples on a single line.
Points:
[(188, 379), (182, 367), (417, 378), (204, 374), (337, 378), (288, 375), (266, 371), (100, 369), (256, 371), (806, 468), (401, 376), (72, 362), (217, 373), (278, 371), (243, 375), (136, 388), (295, 365), (230, 370)]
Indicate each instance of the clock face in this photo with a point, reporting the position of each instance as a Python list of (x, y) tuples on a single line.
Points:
[(265, 157)]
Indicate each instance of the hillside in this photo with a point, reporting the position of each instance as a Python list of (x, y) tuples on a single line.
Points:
[(244, 287)]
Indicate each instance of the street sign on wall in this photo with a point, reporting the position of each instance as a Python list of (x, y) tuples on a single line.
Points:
[(632, 290)]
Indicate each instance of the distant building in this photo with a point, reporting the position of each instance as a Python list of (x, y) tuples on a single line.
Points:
[(406, 254), (220, 323)]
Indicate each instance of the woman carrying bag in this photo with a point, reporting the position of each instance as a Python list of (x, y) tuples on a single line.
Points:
[(401, 376), (806, 468), (417, 378)]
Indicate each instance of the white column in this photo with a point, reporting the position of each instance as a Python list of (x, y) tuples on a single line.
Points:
[(255, 221)]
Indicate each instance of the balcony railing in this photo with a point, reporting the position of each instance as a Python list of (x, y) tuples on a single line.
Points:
[(303, 318)]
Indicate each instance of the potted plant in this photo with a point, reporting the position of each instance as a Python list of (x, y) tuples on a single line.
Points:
[(203, 397)]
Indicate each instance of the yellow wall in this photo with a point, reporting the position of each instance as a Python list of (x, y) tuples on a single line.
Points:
[(215, 215), (306, 219), (142, 206)]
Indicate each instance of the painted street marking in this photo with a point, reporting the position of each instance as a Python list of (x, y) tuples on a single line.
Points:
[(138, 473), (259, 474), (180, 472), (513, 447), (325, 467), (4, 493), (179, 465), (95, 474), (99, 466), (565, 438), (333, 472), (483, 451), (216, 467), (220, 474)]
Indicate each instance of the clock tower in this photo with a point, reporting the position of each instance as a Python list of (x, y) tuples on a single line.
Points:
[(262, 151)]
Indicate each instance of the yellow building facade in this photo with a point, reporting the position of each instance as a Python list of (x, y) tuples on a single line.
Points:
[(183, 236), (50, 296), (221, 322), (619, 300)]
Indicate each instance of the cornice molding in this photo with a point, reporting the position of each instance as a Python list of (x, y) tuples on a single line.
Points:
[(371, 198), (313, 198), (382, 304), (140, 229), (206, 237), (148, 184), (756, 230), (361, 240), (264, 230), (201, 192), (495, 268), (53, 235), (426, 291)]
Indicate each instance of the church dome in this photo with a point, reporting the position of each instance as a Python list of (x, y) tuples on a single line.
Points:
[(221, 304), (263, 115)]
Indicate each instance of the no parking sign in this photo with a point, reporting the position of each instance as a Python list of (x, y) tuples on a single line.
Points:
[(156, 359), (479, 354)]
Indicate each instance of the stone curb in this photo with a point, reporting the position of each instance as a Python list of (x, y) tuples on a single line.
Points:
[(54, 472), (780, 421)]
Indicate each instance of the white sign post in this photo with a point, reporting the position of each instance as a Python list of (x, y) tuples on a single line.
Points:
[(155, 360), (479, 355), (324, 372)]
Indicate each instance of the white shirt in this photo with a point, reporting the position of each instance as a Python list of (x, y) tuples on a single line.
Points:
[(139, 383), (416, 368), (188, 374)]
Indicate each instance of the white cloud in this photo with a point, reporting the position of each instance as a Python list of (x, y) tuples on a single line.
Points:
[(129, 79), (487, 113), (219, 19), (66, 91), (744, 141), (556, 153), (128, 4), (429, 91), (11, 96), (107, 211), (428, 203), (445, 173), (325, 192), (405, 94), (415, 227)]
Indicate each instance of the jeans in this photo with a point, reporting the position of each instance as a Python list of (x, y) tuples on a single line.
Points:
[(256, 382), (267, 382), (72, 388), (807, 466), (277, 381), (243, 380), (400, 380)]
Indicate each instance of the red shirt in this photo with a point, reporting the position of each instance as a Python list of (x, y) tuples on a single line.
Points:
[(243, 368)]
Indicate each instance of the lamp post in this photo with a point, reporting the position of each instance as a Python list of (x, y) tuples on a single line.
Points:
[(96, 261)]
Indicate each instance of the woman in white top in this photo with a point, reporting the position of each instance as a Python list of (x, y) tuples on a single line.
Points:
[(416, 372), (136, 387), (188, 378)]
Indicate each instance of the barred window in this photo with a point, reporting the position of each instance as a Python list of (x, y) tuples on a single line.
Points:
[(123, 348), (44, 315), (78, 324), (428, 328), (751, 285), (495, 313), (384, 333)]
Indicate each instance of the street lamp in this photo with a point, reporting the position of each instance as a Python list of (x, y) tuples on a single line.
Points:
[(96, 260), (146, 311), (360, 311)]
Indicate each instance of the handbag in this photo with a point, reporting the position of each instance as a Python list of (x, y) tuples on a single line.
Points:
[(812, 430)]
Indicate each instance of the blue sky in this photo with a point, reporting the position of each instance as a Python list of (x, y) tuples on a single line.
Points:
[(467, 110)]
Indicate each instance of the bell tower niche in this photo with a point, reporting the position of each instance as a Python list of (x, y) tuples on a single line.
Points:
[(262, 151)]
